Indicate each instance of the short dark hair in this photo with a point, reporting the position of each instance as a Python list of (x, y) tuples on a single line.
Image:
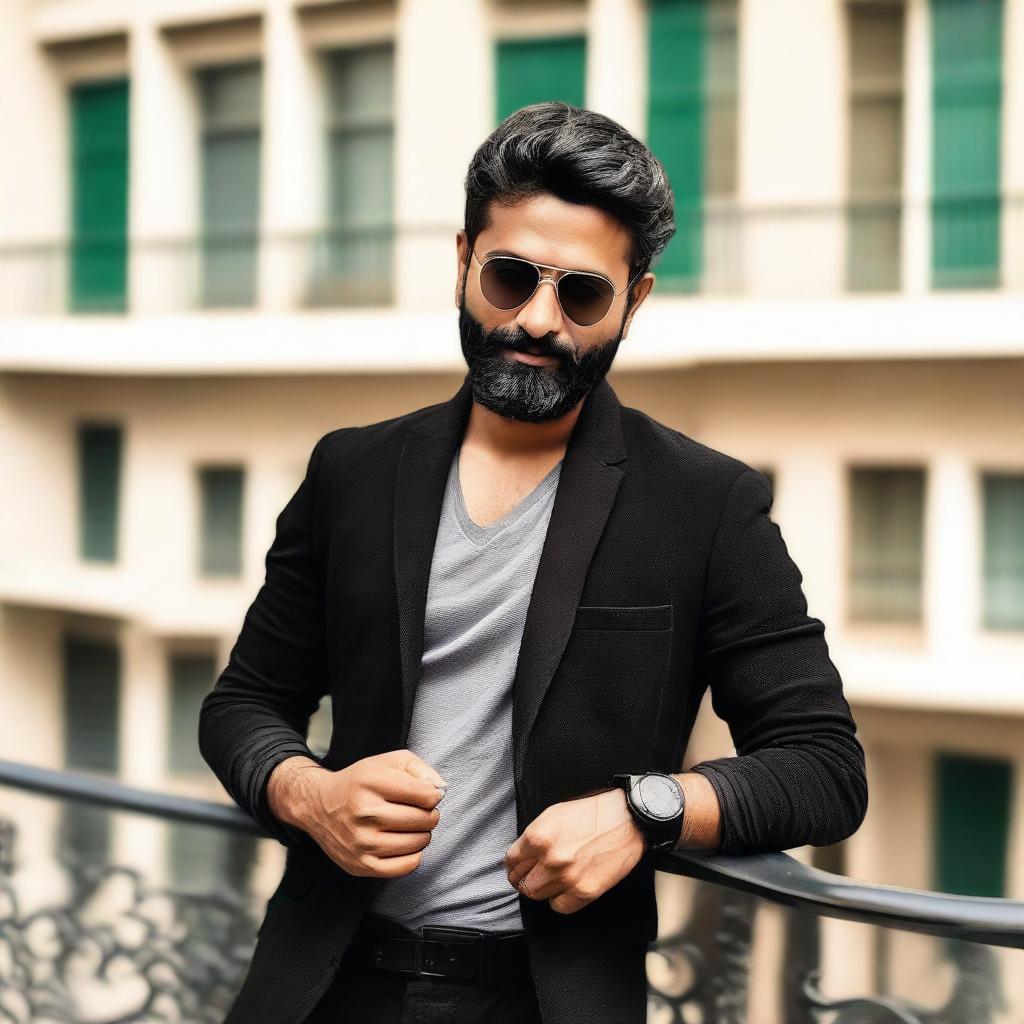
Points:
[(581, 157)]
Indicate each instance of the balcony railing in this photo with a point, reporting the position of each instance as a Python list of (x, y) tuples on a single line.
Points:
[(113, 947), (868, 245)]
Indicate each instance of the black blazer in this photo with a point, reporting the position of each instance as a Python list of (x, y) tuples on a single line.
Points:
[(661, 575)]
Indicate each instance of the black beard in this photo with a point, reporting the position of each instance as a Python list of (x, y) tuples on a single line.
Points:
[(518, 391)]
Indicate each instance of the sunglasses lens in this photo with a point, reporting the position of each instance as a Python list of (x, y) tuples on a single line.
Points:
[(507, 283), (585, 298)]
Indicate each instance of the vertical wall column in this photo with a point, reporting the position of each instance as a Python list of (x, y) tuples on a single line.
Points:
[(1013, 146), (617, 62), (34, 199), (293, 189), (142, 737), (951, 570), (162, 175), (792, 146), (430, 164), (917, 145)]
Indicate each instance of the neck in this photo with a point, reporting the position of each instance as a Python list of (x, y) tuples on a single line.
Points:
[(514, 439)]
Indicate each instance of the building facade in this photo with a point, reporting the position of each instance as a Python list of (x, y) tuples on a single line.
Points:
[(228, 226)]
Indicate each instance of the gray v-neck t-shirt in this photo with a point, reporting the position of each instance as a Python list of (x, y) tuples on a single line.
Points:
[(481, 579)]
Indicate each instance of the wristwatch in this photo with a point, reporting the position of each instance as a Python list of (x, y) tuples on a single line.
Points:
[(657, 804)]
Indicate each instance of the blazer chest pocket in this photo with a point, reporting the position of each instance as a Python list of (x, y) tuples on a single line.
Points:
[(602, 709), (622, 617)]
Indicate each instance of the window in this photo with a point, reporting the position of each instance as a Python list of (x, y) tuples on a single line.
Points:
[(1003, 584), (538, 70), (200, 858), (99, 485), (887, 544), (353, 263), (191, 678), (875, 166), (230, 177), (99, 197), (91, 711), (967, 47), (220, 531), (691, 128), (972, 824)]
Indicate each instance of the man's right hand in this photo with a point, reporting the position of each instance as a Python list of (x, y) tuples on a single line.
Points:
[(372, 818)]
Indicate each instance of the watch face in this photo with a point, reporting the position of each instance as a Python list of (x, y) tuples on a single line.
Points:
[(659, 795)]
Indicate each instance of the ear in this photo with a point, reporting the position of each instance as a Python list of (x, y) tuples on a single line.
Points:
[(461, 255), (643, 289)]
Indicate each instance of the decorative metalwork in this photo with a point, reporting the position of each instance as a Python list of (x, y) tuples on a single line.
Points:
[(119, 952)]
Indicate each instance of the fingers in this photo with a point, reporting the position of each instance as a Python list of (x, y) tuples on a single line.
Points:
[(416, 766), (400, 787), (387, 816)]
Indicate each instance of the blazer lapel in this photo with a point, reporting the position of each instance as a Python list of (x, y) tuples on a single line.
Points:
[(588, 483)]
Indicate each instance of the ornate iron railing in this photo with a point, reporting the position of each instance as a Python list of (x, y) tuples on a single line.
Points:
[(163, 955)]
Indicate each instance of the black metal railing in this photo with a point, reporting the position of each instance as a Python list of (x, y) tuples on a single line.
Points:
[(188, 951)]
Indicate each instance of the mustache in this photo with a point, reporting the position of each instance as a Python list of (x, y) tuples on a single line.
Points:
[(521, 341)]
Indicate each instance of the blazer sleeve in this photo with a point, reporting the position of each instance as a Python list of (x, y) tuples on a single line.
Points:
[(258, 712), (798, 777)]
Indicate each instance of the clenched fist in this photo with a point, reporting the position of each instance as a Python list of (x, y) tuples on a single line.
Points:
[(372, 818)]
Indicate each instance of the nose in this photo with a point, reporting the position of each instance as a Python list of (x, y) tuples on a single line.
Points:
[(542, 315)]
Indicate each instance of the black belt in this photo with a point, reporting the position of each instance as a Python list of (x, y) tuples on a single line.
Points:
[(443, 952)]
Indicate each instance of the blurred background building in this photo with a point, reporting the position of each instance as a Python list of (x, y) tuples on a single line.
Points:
[(228, 226)]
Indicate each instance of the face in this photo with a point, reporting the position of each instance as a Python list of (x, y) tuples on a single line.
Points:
[(498, 344)]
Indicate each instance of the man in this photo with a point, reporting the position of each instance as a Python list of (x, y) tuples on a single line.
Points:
[(516, 600)]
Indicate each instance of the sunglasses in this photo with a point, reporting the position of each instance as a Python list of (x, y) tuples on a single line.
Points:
[(509, 281)]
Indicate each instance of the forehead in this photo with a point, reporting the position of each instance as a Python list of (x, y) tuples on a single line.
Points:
[(546, 229)]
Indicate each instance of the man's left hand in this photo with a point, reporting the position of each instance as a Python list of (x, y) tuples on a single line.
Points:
[(574, 851)]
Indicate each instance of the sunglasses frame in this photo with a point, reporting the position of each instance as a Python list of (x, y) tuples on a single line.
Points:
[(548, 278)]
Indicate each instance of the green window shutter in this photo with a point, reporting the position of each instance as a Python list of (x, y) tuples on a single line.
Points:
[(354, 261), (967, 45), (1003, 584), (221, 489), (99, 197), (887, 544), (91, 713), (875, 161), (230, 173), (538, 70), (210, 861), (191, 678), (691, 128), (99, 486), (972, 824)]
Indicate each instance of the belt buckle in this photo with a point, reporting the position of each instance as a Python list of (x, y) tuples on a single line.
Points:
[(446, 942)]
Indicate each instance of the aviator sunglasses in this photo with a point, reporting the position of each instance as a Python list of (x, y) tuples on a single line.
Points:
[(510, 281)]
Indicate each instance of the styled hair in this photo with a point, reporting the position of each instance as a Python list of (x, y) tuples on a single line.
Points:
[(581, 157)]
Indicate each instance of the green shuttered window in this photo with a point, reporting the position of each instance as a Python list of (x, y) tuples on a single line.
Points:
[(353, 264), (967, 61), (99, 489), (91, 715), (1003, 567), (220, 531), (887, 544), (99, 197), (539, 70), (230, 153), (691, 128), (191, 678), (972, 824)]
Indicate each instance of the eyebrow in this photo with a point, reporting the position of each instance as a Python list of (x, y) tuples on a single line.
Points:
[(574, 270)]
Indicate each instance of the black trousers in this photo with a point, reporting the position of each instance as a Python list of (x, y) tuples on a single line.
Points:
[(360, 994)]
